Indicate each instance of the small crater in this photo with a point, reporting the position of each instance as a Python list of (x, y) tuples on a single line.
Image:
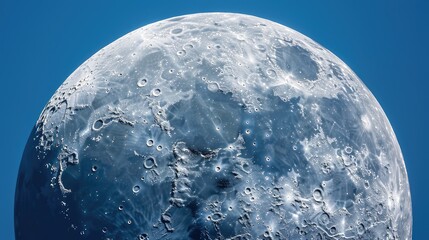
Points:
[(181, 53), (176, 31), (366, 184), (143, 236), (379, 208), (271, 73), (142, 82), (94, 168), (97, 125), (276, 192), (149, 143), (216, 217), (317, 195), (136, 189), (213, 87), (188, 46), (267, 234), (156, 92), (246, 167), (149, 163), (348, 150), (360, 229)]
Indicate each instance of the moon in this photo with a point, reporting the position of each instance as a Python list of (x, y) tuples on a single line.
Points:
[(213, 126)]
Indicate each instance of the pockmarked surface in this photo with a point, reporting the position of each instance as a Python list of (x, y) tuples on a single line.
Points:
[(213, 126)]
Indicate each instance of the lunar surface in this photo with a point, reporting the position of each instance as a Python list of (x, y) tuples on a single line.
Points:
[(213, 126)]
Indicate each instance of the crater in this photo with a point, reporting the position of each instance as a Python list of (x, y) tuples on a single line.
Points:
[(297, 61)]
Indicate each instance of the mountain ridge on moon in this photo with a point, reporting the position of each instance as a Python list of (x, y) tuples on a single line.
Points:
[(213, 126)]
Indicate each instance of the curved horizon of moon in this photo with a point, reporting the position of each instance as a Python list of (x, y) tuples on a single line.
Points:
[(213, 126)]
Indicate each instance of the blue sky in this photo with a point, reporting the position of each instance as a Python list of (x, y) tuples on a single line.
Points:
[(385, 42)]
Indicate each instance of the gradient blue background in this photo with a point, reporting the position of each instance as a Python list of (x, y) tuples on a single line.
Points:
[(384, 42)]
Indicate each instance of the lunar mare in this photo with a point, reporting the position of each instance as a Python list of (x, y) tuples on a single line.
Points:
[(213, 126)]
